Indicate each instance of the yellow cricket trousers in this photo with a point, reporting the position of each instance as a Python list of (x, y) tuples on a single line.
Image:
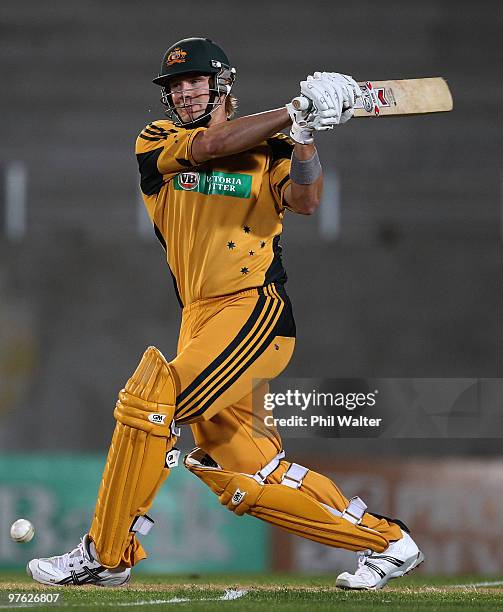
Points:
[(227, 347)]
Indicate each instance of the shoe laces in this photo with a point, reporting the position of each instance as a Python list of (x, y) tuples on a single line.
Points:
[(77, 556), (363, 570)]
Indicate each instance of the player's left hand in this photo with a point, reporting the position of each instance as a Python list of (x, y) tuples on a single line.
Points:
[(299, 131)]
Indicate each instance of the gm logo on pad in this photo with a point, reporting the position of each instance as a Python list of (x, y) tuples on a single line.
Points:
[(157, 418), (238, 497)]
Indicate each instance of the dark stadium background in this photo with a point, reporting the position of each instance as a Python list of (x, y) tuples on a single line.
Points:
[(399, 274)]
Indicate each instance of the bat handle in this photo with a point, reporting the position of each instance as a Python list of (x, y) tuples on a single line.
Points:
[(301, 103)]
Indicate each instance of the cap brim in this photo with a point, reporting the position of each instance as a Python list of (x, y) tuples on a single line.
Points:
[(162, 79)]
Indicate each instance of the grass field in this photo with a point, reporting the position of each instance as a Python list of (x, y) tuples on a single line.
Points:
[(273, 592)]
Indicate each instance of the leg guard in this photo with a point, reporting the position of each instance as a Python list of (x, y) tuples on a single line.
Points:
[(138, 461), (287, 507)]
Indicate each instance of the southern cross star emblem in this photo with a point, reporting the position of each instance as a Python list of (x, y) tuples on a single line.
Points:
[(244, 270), (246, 229), (231, 245)]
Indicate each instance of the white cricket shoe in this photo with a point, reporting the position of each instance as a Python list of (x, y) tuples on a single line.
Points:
[(375, 569), (80, 566)]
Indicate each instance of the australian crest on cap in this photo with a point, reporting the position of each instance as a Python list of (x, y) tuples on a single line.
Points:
[(177, 56)]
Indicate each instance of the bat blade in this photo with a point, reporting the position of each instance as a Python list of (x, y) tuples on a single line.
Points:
[(404, 97)]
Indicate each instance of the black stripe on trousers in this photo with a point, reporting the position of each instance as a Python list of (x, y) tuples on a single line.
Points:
[(243, 332), (209, 384), (258, 351)]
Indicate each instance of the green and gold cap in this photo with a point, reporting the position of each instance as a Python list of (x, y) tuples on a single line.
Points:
[(192, 55)]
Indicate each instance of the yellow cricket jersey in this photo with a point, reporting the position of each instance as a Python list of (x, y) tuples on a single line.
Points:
[(219, 221)]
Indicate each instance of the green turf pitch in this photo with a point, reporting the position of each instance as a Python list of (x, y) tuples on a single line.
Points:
[(269, 593)]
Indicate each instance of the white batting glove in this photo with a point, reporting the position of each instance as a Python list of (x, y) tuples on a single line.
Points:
[(322, 114), (300, 131), (332, 97), (326, 100), (349, 88)]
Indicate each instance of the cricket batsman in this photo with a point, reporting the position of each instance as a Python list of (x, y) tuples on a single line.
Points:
[(216, 190)]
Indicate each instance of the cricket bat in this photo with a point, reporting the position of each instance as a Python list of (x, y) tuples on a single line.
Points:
[(397, 98)]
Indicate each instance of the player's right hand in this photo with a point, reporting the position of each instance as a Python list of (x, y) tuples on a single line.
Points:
[(333, 97), (348, 87), (324, 111)]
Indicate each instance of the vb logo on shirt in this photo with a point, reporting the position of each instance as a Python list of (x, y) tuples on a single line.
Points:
[(215, 183), (188, 180)]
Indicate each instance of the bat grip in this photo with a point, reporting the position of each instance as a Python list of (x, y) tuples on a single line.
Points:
[(301, 103)]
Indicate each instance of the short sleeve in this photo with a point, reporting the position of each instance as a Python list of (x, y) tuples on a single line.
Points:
[(167, 149), (281, 148)]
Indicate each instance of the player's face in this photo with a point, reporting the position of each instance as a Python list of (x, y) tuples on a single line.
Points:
[(190, 94)]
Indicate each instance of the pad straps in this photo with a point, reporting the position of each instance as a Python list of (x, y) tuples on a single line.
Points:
[(353, 512), (142, 524), (294, 476), (268, 469)]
